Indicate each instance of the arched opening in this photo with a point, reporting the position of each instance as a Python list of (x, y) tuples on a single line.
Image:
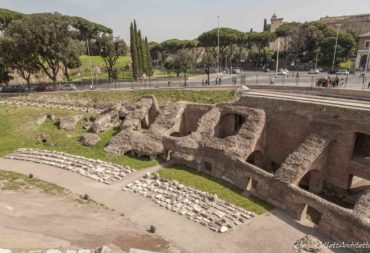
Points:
[(229, 125), (312, 182), (312, 215), (258, 159)]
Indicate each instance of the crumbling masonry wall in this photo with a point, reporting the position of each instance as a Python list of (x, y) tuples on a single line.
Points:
[(289, 152)]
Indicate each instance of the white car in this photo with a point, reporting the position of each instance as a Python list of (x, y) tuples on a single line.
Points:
[(67, 87), (314, 71), (282, 72), (342, 72)]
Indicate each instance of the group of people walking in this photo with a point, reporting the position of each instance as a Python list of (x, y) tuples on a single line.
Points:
[(218, 81), (328, 82)]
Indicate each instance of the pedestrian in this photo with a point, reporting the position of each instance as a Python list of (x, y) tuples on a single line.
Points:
[(203, 82), (216, 81), (368, 85), (169, 83), (219, 81), (297, 76)]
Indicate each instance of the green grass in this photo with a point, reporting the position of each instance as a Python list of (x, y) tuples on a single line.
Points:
[(130, 96), (18, 129), (12, 181), (224, 190)]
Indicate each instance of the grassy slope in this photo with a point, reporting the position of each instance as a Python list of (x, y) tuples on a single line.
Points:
[(208, 184), (18, 129), (164, 96), (122, 63)]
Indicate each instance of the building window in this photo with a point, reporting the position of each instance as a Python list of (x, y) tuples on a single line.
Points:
[(367, 43)]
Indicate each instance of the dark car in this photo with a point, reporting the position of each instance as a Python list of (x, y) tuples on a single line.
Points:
[(42, 88), (13, 89)]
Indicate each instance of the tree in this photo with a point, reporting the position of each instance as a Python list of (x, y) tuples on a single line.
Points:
[(72, 57), (18, 55), (134, 53), (139, 52), (208, 61), (260, 41), (110, 50), (47, 37), (183, 61), (5, 76), (306, 38), (345, 48), (231, 40)]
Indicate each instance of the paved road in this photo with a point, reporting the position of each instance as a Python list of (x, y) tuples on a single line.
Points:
[(269, 233)]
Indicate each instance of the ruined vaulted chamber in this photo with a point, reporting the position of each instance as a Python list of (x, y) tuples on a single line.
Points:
[(309, 157)]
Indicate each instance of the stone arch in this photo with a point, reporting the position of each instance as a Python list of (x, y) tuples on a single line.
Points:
[(311, 181)]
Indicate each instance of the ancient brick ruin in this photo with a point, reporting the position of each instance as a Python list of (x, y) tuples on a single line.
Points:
[(309, 156)]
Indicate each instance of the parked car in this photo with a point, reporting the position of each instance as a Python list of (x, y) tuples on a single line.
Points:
[(67, 87), (314, 71), (282, 72), (342, 72), (42, 88), (236, 71), (13, 89)]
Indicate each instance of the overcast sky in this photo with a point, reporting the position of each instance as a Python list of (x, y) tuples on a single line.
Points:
[(186, 19)]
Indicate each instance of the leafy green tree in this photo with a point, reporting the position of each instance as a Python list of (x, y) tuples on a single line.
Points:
[(5, 76), (230, 41), (18, 55), (46, 38), (134, 53), (72, 57), (345, 48), (110, 50), (208, 61), (7, 16), (183, 61), (260, 41)]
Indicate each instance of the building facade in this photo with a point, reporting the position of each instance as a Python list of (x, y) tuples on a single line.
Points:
[(363, 51), (360, 24)]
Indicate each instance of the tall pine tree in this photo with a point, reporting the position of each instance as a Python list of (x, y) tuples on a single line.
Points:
[(139, 53), (134, 54)]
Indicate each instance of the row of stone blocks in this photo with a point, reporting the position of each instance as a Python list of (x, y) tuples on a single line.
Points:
[(201, 207), (103, 249), (98, 170), (50, 105)]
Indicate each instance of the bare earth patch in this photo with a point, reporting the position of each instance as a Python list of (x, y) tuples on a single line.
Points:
[(59, 218)]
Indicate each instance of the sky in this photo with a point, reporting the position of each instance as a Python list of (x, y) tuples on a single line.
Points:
[(187, 19)]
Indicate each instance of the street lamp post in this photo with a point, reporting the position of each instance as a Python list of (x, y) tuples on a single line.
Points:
[(91, 74), (367, 62), (218, 43), (317, 56), (335, 48), (277, 58)]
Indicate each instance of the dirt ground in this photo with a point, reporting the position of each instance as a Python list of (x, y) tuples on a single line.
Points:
[(50, 221)]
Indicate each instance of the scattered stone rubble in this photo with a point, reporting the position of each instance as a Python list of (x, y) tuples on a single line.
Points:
[(49, 105), (100, 171), (89, 139), (201, 207), (69, 123)]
